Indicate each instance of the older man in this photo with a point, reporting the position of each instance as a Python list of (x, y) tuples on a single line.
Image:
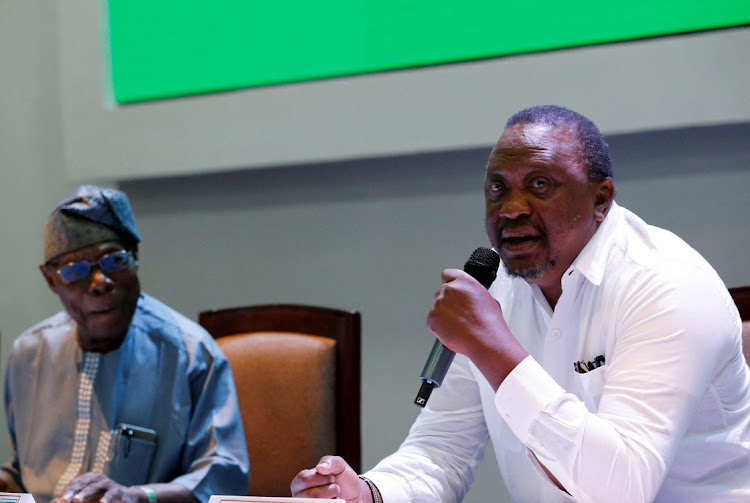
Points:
[(118, 398), (605, 362)]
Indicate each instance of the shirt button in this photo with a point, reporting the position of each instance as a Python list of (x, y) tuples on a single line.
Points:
[(555, 334)]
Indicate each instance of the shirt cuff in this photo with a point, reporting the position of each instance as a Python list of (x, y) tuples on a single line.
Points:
[(524, 394), (391, 488)]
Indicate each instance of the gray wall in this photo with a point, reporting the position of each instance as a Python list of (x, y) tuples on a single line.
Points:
[(31, 178), (370, 234)]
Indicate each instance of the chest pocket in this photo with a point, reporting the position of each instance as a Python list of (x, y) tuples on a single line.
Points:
[(134, 451), (590, 385)]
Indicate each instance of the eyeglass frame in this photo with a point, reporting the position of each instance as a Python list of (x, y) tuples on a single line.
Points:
[(130, 260)]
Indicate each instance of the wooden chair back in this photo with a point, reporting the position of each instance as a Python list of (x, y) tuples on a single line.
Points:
[(297, 373)]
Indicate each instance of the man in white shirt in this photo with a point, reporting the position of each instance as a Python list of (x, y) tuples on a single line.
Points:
[(605, 362)]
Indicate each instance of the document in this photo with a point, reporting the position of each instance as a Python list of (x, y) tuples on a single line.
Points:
[(16, 498), (264, 499)]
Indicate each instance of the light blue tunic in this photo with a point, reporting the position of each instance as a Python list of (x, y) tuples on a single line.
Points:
[(64, 406)]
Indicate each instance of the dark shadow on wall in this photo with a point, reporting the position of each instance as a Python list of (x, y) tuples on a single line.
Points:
[(681, 151), (374, 178), (636, 155)]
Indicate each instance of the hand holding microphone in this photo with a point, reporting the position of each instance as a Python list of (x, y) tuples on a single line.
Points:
[(482, 266)]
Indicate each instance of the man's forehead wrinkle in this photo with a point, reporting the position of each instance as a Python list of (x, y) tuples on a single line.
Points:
[(516, 154)]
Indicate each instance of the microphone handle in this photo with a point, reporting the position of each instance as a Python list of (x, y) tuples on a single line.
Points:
[(482, 266), (434, 371)]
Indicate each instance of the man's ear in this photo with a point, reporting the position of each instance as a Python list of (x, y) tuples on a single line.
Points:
[(48, 276), (605, 194)]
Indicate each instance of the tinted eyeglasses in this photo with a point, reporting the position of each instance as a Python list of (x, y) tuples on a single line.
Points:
[(109, 263)]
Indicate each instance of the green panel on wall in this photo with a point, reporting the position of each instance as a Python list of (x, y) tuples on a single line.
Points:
[(171, 48)]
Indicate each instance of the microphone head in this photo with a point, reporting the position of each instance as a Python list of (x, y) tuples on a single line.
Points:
[(482, 266)]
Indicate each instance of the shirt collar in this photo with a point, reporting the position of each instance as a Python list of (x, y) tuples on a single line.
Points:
[(592, 260)]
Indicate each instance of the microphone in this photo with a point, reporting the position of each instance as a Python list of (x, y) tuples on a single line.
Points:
[(482, 266)]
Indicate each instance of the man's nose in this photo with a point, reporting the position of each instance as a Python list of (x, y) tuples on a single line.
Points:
[(514, 205), (100, 282)]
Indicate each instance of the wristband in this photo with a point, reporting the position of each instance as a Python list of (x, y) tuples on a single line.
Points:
[(376, 498), (149, 492)]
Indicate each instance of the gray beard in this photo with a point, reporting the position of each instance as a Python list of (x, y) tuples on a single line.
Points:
[(533, 273)]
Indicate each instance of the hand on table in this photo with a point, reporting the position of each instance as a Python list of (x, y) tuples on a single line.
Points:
[(332, 478), (95, 488)]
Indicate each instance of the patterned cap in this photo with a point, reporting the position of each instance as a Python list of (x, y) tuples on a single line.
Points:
[(88, 216)]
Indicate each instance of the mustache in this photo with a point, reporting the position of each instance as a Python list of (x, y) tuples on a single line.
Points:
[(522, 222)]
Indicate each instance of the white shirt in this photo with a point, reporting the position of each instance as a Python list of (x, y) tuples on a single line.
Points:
[(666, 418)]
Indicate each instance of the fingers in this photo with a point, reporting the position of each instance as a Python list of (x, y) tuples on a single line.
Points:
[(73, 488), (450, 274), (331, 465), (88, 488), (320, 482), (116, 494), (456, 279), (328, 491), (312, 484)]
